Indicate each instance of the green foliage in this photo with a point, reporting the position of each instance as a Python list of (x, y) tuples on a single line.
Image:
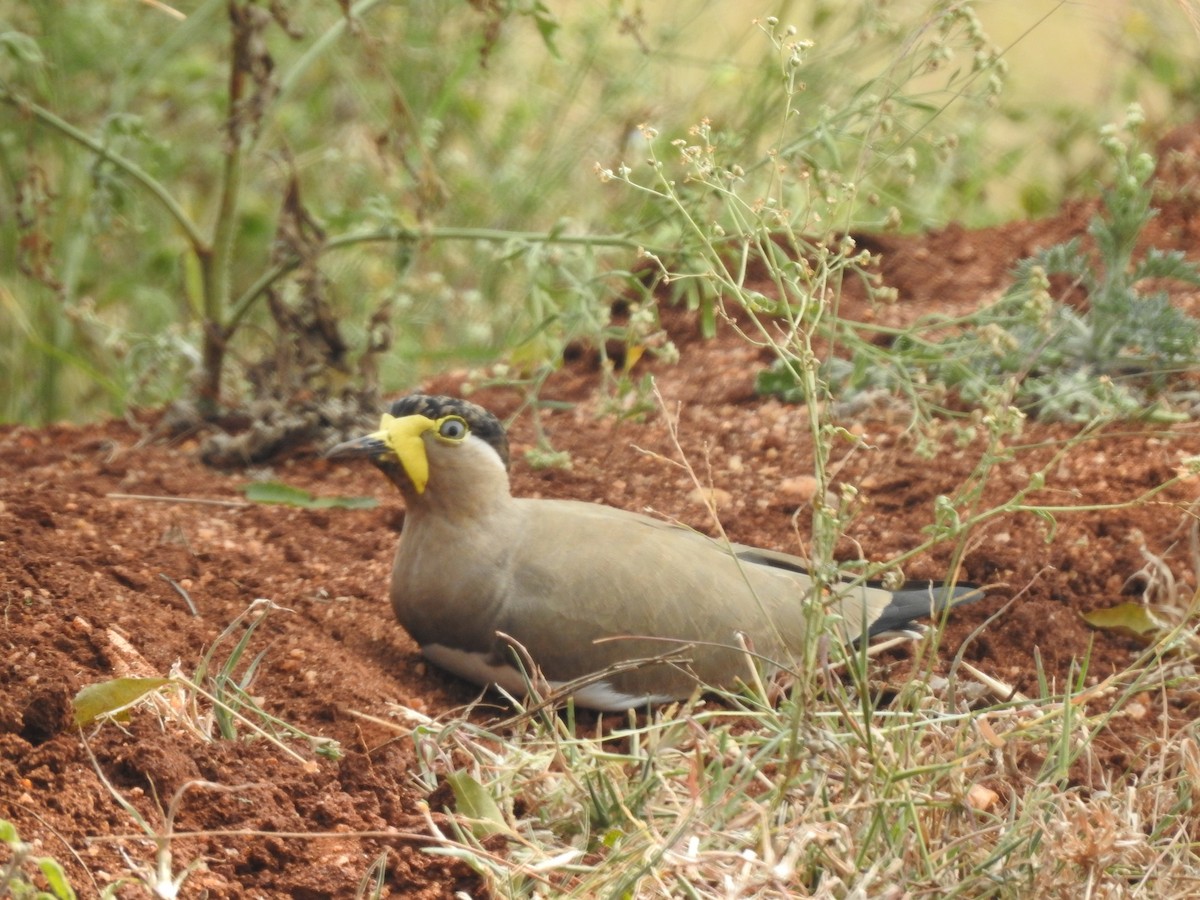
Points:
[(472, 801), (14, 880), (1040, 346), (313, 226), (177, 203), (276, 492), (1115, 356)]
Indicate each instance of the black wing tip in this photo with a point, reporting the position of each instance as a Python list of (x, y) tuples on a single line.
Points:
[(944, 593), (923, 600)]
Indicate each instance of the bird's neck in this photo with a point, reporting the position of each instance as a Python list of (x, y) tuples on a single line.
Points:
[(461, 500)]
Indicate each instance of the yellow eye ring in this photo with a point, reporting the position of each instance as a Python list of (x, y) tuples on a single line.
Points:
[(452, 428)]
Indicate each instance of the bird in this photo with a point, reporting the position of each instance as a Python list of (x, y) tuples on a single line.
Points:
[(626, 610)]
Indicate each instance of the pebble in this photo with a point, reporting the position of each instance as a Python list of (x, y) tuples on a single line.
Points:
[(981, 798), (718, 497), (797, 489)]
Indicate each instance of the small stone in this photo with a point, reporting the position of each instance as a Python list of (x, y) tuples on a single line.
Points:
[(715, 496), (981, 798), (798, 488)]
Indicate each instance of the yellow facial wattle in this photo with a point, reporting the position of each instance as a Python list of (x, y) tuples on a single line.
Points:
[(403, 437)]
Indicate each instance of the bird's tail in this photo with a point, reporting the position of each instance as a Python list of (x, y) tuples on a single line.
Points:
[(921, 600)]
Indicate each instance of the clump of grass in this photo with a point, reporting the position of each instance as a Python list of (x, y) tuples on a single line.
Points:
[(943, 789), (215, 703)]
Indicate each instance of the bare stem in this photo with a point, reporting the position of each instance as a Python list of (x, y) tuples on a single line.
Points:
[(130, 168)]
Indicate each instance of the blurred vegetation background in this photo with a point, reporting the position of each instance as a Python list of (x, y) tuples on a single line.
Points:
[(334, 198)]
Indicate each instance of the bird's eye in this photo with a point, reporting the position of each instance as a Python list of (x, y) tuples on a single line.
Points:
[(452, 428)]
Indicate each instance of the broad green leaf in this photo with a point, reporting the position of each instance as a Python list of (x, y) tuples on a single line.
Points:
[(56, 878), (472, 800), (1128, 618), (107, 697), (275, 492)]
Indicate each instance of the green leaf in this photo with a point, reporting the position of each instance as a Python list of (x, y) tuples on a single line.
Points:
[(779, 381), (275, 492), (547, 27), (56, 878), (1165, 264), (1126, 618), (21, 47), (1048, 518), (107, 697), (472, 801)]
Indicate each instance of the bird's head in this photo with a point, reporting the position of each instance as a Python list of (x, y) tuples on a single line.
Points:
[(435, 447)]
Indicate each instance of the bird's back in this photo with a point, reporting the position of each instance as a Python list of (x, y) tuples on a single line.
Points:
[(620, 585)]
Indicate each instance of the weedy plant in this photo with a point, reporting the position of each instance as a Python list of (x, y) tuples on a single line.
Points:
[(15, 879), (960, 788), (766, 246), (223, 167), (1118, 355), (214, 703), (1115, 358), (1081, 334)]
